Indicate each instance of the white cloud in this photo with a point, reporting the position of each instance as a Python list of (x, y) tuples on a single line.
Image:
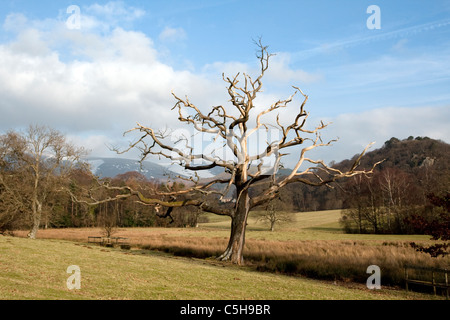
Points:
[(115, 11), (229, 69), (15, 22), (31, 42), (103, 18), (356, 130), (172, 34), (280, 72), (95, 85), (118, 81)]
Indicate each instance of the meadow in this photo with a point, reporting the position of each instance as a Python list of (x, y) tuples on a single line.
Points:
[(37, 270), (307, 258)]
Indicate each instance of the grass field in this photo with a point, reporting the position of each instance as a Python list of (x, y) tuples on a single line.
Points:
[(37, 270), (312, 245)]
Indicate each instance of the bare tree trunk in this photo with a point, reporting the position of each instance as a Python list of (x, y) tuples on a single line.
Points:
[(234, 251), (36, 218), (272, 225)]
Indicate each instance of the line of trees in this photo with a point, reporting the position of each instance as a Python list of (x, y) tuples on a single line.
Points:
[(32, 166), (41, 176), (415, 171), (41, 173), (36, 166), (381, 203)]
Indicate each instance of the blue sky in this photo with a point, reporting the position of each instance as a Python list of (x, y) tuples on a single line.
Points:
[(121, 65)]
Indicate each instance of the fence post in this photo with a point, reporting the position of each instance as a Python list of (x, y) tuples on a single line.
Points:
[(406, 277), (433, 282), (446, 282)]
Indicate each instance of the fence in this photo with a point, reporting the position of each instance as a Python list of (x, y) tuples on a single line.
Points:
[(433, 283), (109, 241)]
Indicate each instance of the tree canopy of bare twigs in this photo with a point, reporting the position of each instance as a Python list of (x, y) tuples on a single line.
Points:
[(273, 215), (32, 165)]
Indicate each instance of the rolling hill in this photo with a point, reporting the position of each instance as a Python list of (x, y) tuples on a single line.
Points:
[(408, 154), (111, 167)]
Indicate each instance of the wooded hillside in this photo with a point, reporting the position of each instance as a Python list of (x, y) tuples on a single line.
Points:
[(424, 160)]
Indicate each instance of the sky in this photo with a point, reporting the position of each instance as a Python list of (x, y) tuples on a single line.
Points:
[(93, 69)]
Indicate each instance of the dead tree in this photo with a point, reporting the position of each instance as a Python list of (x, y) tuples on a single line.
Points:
[(232, 129)]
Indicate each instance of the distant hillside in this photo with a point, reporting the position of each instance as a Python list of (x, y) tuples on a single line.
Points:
[(111, 167), (406, 154), (412, 155), (409, 155)]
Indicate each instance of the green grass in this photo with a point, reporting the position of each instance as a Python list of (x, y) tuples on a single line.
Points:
[(36, 269), (312, 242), (319, 225)]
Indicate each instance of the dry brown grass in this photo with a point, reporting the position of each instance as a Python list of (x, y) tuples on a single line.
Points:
[(37, 270), (344, 260)]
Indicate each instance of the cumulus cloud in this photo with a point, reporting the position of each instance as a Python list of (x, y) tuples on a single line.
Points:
[(128, 84), (97, 82), (31, 42), (110, 15), (356, 130), (15, 22), (113, 81), (281, 72)]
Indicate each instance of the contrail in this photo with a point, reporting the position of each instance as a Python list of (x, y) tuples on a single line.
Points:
[(363, 40)]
